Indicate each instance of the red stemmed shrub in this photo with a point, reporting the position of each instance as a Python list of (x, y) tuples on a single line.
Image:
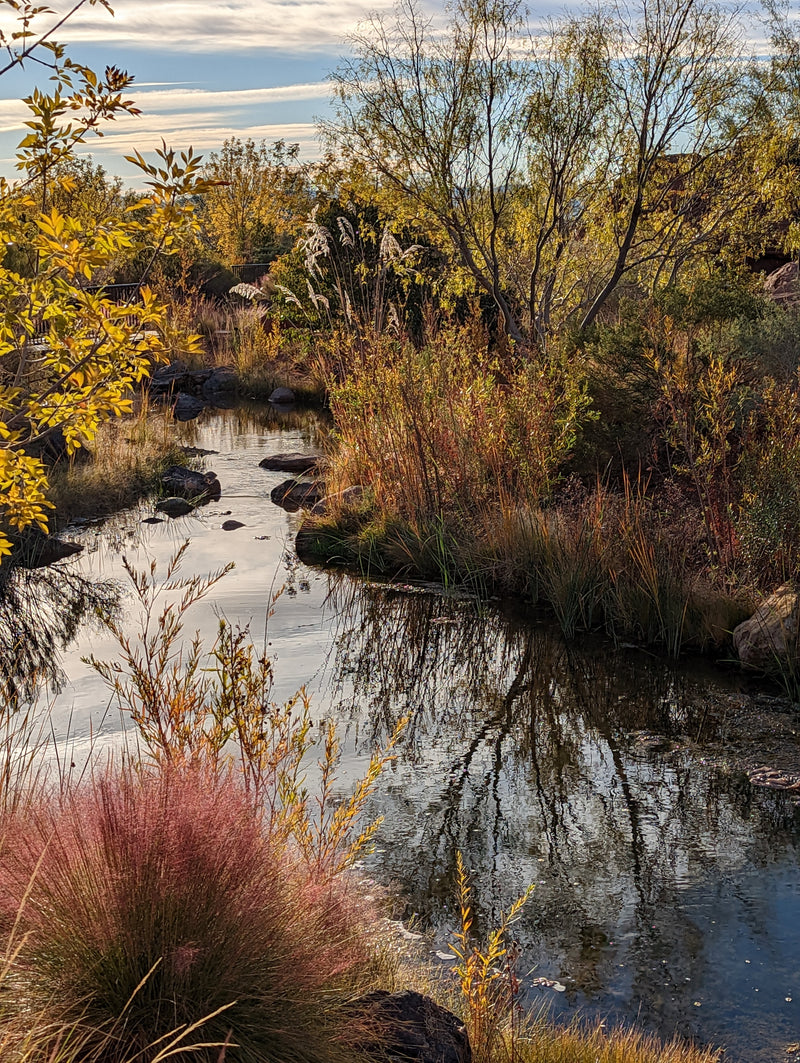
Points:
[(140, 905)]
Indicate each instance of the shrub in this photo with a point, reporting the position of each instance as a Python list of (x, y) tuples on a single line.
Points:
[(769, 471), (143, 909), (449, 429)]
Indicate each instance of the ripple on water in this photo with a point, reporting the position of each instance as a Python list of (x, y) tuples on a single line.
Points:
[(667, 885)]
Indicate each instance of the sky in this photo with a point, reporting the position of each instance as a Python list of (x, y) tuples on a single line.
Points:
[(205, 70)]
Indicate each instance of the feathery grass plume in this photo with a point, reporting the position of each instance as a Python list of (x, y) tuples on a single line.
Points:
[(146, 908)]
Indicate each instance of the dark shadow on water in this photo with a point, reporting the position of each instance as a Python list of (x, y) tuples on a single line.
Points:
[(40, 614), (667, 886)]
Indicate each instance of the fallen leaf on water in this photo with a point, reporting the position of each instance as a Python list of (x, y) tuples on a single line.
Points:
[(549, 983)]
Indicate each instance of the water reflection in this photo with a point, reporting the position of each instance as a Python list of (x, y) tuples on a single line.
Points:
[(667, 885), (40, 612), (235, 428)]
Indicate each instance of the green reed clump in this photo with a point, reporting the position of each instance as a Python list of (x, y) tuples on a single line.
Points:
[(768, 524)]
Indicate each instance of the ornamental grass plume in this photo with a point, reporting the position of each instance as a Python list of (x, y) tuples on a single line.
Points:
[(153, 914)]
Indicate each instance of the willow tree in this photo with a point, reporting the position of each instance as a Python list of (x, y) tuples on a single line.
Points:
[(441, 117), (677, 77), (549, 160)]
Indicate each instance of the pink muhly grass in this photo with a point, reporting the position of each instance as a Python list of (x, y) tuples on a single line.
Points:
[(142, 904)]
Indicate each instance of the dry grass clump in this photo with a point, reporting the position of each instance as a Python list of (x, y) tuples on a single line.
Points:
[(246, 337), (192, 903), (145, 907), (466, 454), (448, 429), (464, 461), (121, 465), (626, 563), (548, 1042)]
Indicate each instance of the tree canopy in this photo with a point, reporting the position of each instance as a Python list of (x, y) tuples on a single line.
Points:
[(69, 355)]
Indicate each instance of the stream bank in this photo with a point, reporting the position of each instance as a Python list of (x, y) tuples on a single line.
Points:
[(616, 781)]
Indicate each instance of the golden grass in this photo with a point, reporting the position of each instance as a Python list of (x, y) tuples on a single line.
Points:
[(548, 1042), (121, 466)]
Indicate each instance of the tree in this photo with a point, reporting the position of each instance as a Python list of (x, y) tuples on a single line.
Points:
[(256, 199), (441, 117), (677, 75), (551, 162), (70, 357)]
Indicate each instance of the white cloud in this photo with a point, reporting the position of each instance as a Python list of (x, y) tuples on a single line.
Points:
[(296, 26), (182, 109), (203, 131), (180, 99)]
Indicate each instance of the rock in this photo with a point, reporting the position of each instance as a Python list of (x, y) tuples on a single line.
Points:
[(769, 639), (188, 483), (782, 286), (223, 379), (410, 1028), (231, 525), (172, 377), (38, 550), (292, 462), (158, 520), (282, 397), (306, 543), (187, 407), (198, 377), (351, 496), (174, 507), (297, 494), (197, 452)]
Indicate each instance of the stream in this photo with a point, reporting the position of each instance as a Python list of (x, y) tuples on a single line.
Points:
[(667, 889)]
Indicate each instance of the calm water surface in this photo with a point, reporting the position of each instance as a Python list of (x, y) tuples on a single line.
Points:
[(667, 887)]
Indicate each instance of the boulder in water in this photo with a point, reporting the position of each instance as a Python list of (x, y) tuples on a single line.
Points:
[(187, 407), (282, 397), (188, 483), (174, 506), (297, 494), (291, 462)]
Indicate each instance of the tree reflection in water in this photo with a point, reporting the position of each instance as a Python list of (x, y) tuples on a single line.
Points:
[(41, 611), (593, 772)]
